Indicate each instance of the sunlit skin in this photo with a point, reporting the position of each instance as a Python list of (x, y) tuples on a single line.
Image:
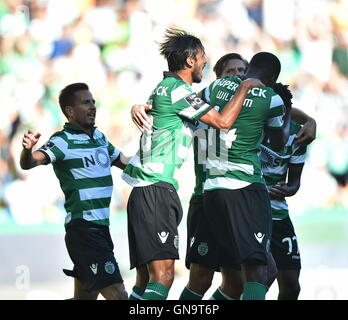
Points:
[(83, 113), (200, 63), (234, 67)]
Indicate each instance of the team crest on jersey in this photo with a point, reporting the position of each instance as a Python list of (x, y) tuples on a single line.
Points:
[(176, 242), (102, 158), (109, 267), (203, 248), (194, 101)]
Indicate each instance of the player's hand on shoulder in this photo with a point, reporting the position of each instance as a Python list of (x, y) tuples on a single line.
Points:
[(307, 133), (141, 119), (30, 139), (252, 83)]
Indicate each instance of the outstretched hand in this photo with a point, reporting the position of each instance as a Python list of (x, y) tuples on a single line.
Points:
[(141, 119), (30, 139)]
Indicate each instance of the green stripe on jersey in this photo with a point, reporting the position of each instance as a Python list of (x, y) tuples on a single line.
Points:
[(83, 167)]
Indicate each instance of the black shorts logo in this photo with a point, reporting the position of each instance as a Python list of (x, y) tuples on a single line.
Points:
[(194, 101)]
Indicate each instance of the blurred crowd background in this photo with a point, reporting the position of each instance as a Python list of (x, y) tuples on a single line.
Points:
[(112, 45)]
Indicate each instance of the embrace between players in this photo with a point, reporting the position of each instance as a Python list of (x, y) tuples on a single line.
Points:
[(240, 183)]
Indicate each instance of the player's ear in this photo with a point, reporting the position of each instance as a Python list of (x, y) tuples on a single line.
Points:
[(190, 62), (69, 110)]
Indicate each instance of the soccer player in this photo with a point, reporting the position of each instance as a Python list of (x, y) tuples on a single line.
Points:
[(277, 167), (201, 273), (236, 201), (154, 209), (82, 156)]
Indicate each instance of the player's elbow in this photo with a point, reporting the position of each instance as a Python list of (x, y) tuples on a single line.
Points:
[(222, 124), (24, 167)]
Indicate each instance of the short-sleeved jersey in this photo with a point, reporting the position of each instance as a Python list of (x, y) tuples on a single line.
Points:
[(163, 149), (275, 167), (82, 165), (232, 161)]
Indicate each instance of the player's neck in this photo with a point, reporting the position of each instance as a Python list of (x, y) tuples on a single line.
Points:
[(87, 130), (185, 75)]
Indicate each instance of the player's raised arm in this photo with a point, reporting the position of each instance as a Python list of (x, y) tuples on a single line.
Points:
[(229, 114), (29, 159)]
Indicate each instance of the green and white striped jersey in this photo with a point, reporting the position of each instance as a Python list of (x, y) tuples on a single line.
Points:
[(82, 165), (163, 149), (275, 167), (232, 161)]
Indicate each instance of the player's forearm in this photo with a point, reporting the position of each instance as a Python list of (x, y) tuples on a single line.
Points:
[(232, 109), (300, 117), (122, 161), (27, 160), (279, 137)]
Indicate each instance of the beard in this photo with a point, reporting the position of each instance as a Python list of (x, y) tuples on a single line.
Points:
[(196, 76)]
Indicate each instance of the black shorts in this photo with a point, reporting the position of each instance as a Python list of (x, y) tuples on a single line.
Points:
[(195, 222), (90, 248), (241, 224), (198, 236), (284, 246), (154, 213)]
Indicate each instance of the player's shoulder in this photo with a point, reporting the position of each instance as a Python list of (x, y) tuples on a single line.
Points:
[(275, 99), (59, 134)]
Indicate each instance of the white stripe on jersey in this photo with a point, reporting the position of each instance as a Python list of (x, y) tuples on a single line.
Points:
[(276, 101), (225, 183), (96, 214), (230, 166), (298, 159), (95, 193), (148, 167), (276, 122), (183, 151), (191, 112), (179, 93), (90, 172), (135, 182), (279, 205)]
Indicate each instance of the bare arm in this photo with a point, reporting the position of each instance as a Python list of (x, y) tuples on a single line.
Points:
[(283, 189), (308, 131), (279, 136), (229, 114), (29, 159), (122, 161)]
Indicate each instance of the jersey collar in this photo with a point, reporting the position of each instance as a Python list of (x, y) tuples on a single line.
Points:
[(75, 129), (168, 74)]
